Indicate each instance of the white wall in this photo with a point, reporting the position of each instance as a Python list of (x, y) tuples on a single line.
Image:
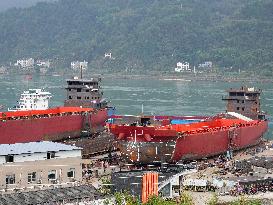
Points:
[(66, 154), (2, 159), (29, 157)]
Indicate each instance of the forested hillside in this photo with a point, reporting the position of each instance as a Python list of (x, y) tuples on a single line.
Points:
[(7, 4), (142, 34)]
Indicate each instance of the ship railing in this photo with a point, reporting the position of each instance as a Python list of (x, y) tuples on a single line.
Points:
[(35, 116), (216, 129)]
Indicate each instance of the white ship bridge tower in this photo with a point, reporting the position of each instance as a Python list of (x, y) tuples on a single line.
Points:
[(33, 99)]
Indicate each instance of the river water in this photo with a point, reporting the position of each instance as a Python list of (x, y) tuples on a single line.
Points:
[(160, 97)]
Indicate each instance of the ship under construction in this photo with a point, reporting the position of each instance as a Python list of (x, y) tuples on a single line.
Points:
[(156, 139)]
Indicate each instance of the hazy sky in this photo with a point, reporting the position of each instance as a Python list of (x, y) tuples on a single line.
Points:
[(6, 4)]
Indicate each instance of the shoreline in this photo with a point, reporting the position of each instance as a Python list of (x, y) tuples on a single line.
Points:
[(188, 78), (166, 76)]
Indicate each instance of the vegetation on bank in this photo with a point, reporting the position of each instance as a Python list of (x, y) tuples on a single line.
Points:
[(142, 34), (185, 199)]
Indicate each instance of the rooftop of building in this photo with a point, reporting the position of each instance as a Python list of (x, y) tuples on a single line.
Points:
[(52, 196), (34, 147)]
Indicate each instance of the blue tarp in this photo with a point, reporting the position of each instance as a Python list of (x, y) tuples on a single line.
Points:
[(111, 111), (182, 122)]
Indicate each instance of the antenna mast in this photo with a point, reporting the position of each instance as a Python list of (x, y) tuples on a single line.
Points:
[(81, 71)]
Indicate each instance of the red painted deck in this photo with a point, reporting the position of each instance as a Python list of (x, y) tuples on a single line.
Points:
[(50, 111)]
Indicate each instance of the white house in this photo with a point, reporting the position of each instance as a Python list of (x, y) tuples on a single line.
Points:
[(206, 64), (75, 65), (108, 55), (24, 63), (181, 67), (41, 63)]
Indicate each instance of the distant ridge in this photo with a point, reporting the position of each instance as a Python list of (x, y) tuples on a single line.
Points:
[(7, 4), (142, 34)]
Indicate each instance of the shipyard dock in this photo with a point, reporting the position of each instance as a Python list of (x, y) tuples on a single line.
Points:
[(248, 173)]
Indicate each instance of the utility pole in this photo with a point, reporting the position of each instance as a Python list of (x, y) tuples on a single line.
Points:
[(81, 71)]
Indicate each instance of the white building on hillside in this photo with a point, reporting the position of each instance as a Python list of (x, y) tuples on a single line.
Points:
[(206, 64), (42, 63), (75, 65), (36, 164), (181, 67), (108, 55), (24, 63)]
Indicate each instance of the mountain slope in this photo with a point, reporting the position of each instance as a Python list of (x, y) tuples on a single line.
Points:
[(143, 34), (7, 4)]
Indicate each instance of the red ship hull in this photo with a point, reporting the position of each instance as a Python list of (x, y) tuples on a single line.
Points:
[(212, 143), (54, 127), (171, 143)]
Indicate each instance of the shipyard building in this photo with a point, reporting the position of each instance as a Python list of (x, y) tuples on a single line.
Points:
[(27, 166)]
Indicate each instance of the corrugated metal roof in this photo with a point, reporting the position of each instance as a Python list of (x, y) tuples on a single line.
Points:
[(34, 147), (52, 196)]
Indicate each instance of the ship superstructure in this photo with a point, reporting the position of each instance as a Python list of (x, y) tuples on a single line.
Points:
[(33, 99), (84, 93), (245, 101)]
